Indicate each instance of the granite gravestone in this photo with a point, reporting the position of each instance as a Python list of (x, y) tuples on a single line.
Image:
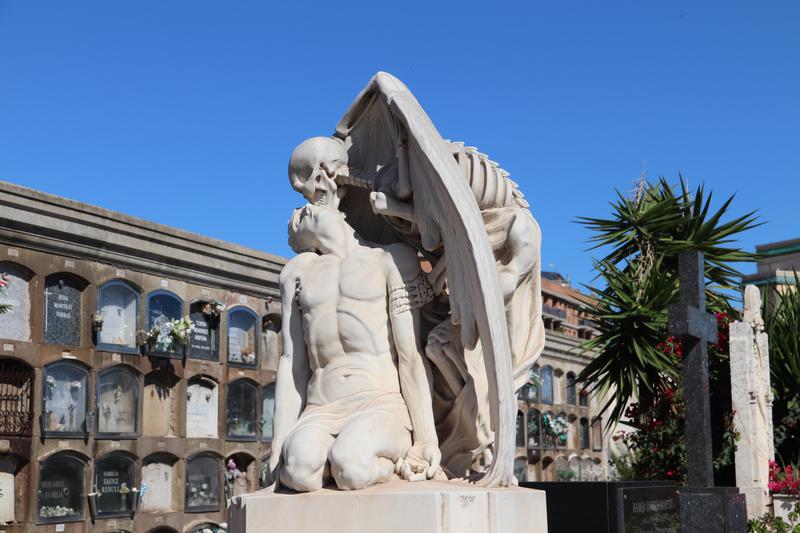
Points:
[(62, 310), (16, 322), (703, 507), (649, 510)]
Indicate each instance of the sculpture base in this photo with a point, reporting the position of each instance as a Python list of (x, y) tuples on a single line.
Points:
[(394, 507)]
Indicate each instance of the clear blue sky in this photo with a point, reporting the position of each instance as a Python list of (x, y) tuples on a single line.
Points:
[(185, 112)]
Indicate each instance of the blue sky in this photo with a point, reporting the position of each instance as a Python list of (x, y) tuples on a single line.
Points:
[(185, 112)]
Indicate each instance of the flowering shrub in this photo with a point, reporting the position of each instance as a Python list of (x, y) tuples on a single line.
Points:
[(658, 447), (784, 480), (771, 524)]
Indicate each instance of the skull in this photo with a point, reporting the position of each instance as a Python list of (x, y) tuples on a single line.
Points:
[(313, 168)]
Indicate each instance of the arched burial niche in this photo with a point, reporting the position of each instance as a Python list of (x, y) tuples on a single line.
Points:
[(16, 322), (520, 468), (158, 483), (117, 403), (584, 434), (267, 412), (571, 392), (202, 408), (160, 403), (13, 491), (63, 299), (16, 398), (61, 494), (520, 430), (65, 400), (270, 341), (242, 410), (203, 472), (546, 387), (242, 337), (118, 308), (240, 474), (115, 489), (204, 340), (534, 429), (163, 310)]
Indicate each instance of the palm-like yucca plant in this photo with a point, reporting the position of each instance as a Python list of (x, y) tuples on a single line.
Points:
[(640, 274), (782, 323)]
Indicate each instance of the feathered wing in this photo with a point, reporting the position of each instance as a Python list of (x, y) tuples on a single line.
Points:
[(447, 217)]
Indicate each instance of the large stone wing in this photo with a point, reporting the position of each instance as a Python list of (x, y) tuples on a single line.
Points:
[(447, 218)]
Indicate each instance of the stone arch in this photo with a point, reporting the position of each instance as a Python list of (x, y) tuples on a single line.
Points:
[(160, 491)]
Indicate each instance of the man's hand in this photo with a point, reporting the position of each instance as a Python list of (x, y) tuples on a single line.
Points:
[(421, 462)]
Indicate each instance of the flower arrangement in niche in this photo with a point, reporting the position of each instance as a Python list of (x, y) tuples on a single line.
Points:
[(56, 511), (232, 473), (212, 309), (555, 426), (169, 335)]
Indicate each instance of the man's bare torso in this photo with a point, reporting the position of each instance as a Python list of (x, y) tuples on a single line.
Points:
[(346, 325)]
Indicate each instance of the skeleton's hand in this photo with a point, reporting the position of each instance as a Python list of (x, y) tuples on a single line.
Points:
[(422, 462)]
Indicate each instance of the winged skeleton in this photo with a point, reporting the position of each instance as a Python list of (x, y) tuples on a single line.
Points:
[(396, 179)]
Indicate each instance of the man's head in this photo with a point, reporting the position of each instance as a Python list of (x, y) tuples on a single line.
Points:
[(319, 229), (313, 168)]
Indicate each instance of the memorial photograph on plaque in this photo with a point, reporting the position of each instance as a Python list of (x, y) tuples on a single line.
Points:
[(203, 483), (242, 410), (202, 408), (16, 397), (163, 310), (114, 484), (63, 293), (117, 403), (242, 333), (267, 412), (204, 340), (16, 322), (118, 307), (61, 494), (65, 400)]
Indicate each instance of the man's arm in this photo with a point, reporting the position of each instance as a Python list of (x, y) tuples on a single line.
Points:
[(293, 372), (402, 269)]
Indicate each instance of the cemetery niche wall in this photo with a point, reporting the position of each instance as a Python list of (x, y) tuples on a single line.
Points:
[(91, 420)]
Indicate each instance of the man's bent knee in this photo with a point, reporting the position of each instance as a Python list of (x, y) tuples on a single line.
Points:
[(303, 465), (352, 470)]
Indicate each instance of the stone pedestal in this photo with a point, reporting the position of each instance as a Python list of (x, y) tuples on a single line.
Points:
[(395, 507)]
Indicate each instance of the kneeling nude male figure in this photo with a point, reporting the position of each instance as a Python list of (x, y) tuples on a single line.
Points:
[(353, 399)]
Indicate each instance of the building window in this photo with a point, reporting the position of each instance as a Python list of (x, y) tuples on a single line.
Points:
[(562, 423), (202, 483), (16, 397), (61, 489), (520, 434), (267, 412), (520, 466), (204, 340), (584, 434), (584, 398), (163, 309), (117, 403), (62, 309), (242, 337), (242, 411), (16, 324), (534, 429), (597, 434), (115, 485), (571, 396), (118, 307), (202, 410), (65, 400), (546, 388)]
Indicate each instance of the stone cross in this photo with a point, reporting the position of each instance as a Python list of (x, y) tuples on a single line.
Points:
[(696, 328)]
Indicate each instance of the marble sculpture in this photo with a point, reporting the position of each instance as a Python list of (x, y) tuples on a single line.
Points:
[(412, 312)]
